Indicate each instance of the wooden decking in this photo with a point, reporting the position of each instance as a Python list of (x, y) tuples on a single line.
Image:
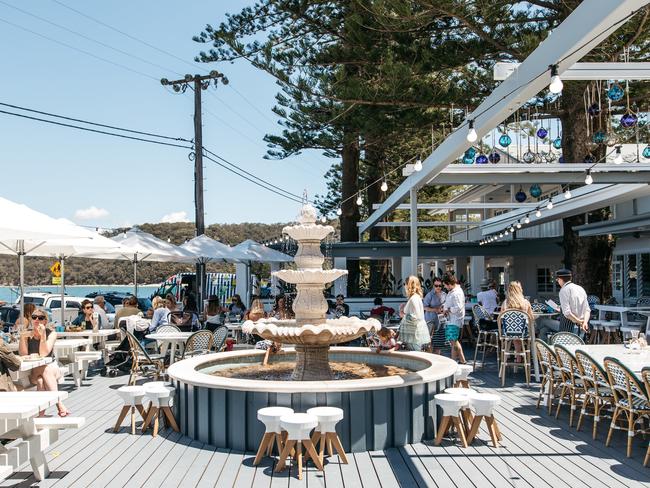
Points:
[(537, 451)]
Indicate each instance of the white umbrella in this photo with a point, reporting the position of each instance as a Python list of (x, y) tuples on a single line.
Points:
[(257, 252)]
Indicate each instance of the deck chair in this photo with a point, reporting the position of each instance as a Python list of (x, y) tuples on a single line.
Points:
[(142, 362)]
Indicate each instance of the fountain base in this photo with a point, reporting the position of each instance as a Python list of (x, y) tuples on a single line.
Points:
[(312, 363)]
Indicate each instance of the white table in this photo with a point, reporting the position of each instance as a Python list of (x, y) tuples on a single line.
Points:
[(622, 311), (96, 337), (635, 362), (171, 338), (21, 376)]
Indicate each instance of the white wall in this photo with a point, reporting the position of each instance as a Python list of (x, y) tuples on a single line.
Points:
[(524, 269)]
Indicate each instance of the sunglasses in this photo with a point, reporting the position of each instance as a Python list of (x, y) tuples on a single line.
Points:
[(88, 306), (437, 286), (39, 317)]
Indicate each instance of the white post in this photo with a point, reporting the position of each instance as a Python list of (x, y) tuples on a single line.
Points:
[(340, 284), (62, 259), (135, 275), (241, 275), (21, 270), (414, 231), (274, 280), (477, 272)]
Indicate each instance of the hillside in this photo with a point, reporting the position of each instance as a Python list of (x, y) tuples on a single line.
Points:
[(99, 271)]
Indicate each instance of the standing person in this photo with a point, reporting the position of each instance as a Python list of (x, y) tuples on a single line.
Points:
[(99, 305), (413, 330), (487, 297), (454, 309), (574, 307), (433, 302), (87, 318), (341, 309)]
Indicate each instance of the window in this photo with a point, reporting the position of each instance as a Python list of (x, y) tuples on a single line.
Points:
[(545, 282), (644, 261), (617, 275), (632, 275)]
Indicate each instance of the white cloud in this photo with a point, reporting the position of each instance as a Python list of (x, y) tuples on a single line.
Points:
[(90, 213), (174, 217)]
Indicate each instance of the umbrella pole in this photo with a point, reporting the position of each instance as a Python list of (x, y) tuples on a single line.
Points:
[(62, 259), (21, 270), (135, 275)]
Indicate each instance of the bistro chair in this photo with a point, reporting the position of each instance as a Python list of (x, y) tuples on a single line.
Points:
[(219, 337), (539, 307), (198, 343), (645, 374), (631, 400), (597, 392), (566, 339), (595, 325), (142, 362), (551, 375), (571, 385), (485, 338), (166, 329), (513, 328)]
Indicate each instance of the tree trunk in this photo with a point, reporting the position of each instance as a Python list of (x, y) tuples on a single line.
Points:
[(374, 171), (350, 212), (588, 257)]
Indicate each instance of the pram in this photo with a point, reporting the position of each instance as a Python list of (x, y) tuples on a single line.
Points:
[(119, 362)]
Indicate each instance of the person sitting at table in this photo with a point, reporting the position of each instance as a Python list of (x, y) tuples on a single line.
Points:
[(487, 297), (237, 307), (160, 314), (99, 305), (86, 317), (8, 362), (214, 313), (40, 340), (515, 300), (342, 308), (130, 308), (380, 309), (256, 311), (280, 309)]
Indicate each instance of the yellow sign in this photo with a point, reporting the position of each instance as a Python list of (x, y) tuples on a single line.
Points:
[(56, 270), (56, 280)]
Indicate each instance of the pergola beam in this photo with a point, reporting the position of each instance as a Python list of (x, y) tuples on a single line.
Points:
[(427, 224), (587, 26), (587, 71), (462, 206)]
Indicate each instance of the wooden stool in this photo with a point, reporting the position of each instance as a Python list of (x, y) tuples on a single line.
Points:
[(483, 405), (270, 417), (462, 374), (325, 432), (298, 427), (451, 405), (465, 412), (132, 396), (161, 398)]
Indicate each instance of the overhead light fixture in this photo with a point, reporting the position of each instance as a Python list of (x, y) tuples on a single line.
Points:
[(359, 200), (538, 213), (384, 186), (619, 156), (549, 205), (527, 219), (418, 165), (339, 211), (588, 178), (567, 194), (556, 84), (471, 133)]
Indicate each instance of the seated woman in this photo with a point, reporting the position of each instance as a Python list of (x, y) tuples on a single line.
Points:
[(87, 318), (40, 340), (214, 313), (515, 300), (237, 307), (281, 310), (256, 311)]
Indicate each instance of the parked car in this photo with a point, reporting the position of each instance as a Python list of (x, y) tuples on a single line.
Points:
[(114, 298)]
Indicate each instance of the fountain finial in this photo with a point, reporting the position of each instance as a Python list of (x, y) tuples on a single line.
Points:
[(308, 214)]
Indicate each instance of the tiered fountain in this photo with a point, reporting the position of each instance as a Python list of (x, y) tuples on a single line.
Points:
[(387, 399)]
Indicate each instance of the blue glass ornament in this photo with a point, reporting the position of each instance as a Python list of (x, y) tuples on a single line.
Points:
[(646, 152), (599, 137), (589, 159), (557, 143), (494, 157), (481, 159), (629, 120), (468, 160), (470, 153), (504, 140), (535, 191), (594, 109), (615, 93), (520, 196), (542, 133), (561, 160)]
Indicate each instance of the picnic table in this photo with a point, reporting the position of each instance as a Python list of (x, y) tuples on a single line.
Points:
[(21, 376)]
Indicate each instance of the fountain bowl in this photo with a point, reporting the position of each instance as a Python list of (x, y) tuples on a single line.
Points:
[(379, 413)]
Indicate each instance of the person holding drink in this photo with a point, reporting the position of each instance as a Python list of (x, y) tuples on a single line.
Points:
[(87, 318)]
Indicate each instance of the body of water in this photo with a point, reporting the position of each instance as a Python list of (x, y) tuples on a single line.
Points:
[(10, 293)]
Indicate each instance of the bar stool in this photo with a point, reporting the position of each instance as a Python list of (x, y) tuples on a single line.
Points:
[(451, 405), (325, 432), (298, 427), (461, 376), (465, 412), (162, 399), (483, 405), (132, 397), (270, 417)]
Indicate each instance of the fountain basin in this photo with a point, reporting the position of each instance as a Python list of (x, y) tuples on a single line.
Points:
[(379, 412)]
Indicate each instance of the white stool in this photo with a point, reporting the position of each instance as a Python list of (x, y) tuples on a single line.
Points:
[(270, 417), (451, 405), (162, 399), (298, 427), (132, 397), (461, 375), (483, 405), (325, 432), (465, 412)]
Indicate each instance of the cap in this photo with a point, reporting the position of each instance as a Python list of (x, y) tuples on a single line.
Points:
[(563, 273), (485, 284)]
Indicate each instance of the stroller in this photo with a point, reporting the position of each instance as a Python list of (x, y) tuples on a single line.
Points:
[(120, 361)]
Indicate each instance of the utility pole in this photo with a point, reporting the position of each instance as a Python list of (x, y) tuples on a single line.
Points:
[(198, 83)]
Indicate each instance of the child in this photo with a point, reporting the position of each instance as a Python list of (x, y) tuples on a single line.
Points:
[(387, 341), (270, 347)]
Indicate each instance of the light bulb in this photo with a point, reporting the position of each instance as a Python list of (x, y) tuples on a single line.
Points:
[(359, 200), (512, 229), (471, 133), (567, 194), (518, 225), (418, 165), (384, 186), (500, 234), (323, 219), (339, 211), (505, 232), (549, 205), (619, 156), (556, 84), (169, 239), (588, 179), (527, 219), (538, 213), (124, 236)]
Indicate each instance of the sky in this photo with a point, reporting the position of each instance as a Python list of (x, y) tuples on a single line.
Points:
[(106, 182)]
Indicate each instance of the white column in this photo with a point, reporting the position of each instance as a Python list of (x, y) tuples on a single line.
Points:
[(414, 231), (241, 275), (341, 284), (477, 272), (406, 268), (274, 280)]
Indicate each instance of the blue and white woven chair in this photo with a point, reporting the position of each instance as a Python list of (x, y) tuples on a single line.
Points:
[(572, 386), (566, 338), (539, 307), (485, 338), (598, 394), (513, 328)]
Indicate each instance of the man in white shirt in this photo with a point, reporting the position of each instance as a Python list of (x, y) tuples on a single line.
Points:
[(99, 306), (488, 296), (573, 306)]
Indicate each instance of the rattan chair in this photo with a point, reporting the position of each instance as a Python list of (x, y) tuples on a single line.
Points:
[(572, 384), (167, 329), (513, 327), (597, 392), (595, 325), (219, 337), (645, 374), (551, 376), (142, 362), (198, 343), (539, 307), (631, 400), (566, 339), (485, 338)]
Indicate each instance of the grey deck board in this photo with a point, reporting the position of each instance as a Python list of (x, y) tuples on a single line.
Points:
[(263, 473), (386, 475), (228, 475), (213, 469), (366, 469), (399, 467), (246, 473), (350, 473), (332, 468), (418, 470), (195, 471)]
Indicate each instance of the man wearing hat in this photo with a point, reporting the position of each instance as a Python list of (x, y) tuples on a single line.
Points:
[(573, 305), (487, 297)]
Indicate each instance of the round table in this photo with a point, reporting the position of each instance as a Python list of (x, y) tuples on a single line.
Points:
[(171, 338)]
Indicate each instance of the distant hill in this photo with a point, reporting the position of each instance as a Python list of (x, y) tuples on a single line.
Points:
[(99, 271)]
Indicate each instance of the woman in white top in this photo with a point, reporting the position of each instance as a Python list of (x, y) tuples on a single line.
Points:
[(413, 330), (454, 309)]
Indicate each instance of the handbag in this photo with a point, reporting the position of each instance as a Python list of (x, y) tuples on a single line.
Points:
[(413, 331)]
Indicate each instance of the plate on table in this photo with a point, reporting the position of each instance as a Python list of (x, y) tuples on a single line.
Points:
[(32, 357)]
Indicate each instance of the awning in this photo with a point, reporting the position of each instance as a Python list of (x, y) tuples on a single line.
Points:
[(627, 225)]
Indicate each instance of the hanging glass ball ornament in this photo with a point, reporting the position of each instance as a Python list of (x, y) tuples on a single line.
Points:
[(481, 159), (542, 133), (521, 196), (557, 143), (591, 146), (594, 109), (629, 120), (599, 137), (615, 92), (589, 159), (468, 160), (646, 152), (494, 157), (611, 140), (561, 159), (535, 191), (529, 157), (505, 140), (470, 153), (549, 157)]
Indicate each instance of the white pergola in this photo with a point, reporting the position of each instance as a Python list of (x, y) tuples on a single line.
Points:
[(586, 27)]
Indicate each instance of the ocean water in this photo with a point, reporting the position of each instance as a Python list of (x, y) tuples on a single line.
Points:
[(10, 293)]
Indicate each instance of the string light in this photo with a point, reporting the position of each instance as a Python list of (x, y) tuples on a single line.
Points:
[(527, 219), (339, 211), (359, 200), (384, 186), (538, 213), (512, 229), (549, 205), (169, 239), (556, 84), (505, 232), (471, 133), (518, 225), (500, 234), (567, 194), (418, 165), (619, 156), (588, 178), (323, 219)]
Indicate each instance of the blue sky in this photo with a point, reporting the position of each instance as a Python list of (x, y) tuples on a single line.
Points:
[(103, 181)]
